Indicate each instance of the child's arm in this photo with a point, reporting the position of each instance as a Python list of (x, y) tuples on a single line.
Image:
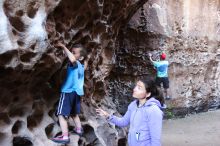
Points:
[(150, 55), (70, 56), (152, 61), (119, 121)]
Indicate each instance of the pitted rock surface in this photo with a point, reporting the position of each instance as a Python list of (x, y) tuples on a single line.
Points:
[(118, 35)]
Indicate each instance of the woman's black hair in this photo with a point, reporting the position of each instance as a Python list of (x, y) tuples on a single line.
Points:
[(151, 87)]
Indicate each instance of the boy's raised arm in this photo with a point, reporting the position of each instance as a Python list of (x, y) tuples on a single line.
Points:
[(150, 55), (71, 57)]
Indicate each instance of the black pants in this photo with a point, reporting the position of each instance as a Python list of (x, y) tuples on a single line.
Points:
[(164, 81)]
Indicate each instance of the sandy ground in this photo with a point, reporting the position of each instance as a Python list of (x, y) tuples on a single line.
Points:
[(196, 130)]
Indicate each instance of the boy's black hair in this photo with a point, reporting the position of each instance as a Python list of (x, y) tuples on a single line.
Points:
[(83, 51)]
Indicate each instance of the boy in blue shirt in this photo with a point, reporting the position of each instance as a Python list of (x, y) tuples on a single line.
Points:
[(162, 73), (72, 89)]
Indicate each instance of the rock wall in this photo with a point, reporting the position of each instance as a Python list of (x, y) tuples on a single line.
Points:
[(118, 36), (32, 70), (189, 33)]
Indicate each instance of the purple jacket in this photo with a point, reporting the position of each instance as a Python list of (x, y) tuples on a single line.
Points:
[(145, 123)]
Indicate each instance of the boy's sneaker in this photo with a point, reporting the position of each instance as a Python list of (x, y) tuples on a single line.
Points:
[(74, 131), (60, 139)]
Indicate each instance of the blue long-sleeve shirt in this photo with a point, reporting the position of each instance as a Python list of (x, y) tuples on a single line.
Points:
[(145, 123)]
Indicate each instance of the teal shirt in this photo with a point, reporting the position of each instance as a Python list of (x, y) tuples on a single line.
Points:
[(74, 79), (162, 68)]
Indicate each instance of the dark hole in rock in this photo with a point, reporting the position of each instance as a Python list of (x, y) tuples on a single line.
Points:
[(22, 141), (20, 43), (89, 134), (32, 12), (17, 126), (20, 13), (49, 129), (51, 112), (31, 122), (27, 56), (7, 57), (82, 118), (34, 119), (14, 32), (122, 142), (100, 60), (17, 23), (32, 46)]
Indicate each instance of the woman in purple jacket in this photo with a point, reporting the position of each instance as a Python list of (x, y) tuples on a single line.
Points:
[(144, 115)]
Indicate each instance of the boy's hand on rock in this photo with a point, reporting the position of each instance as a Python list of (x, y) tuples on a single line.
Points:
[(59, 45)]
